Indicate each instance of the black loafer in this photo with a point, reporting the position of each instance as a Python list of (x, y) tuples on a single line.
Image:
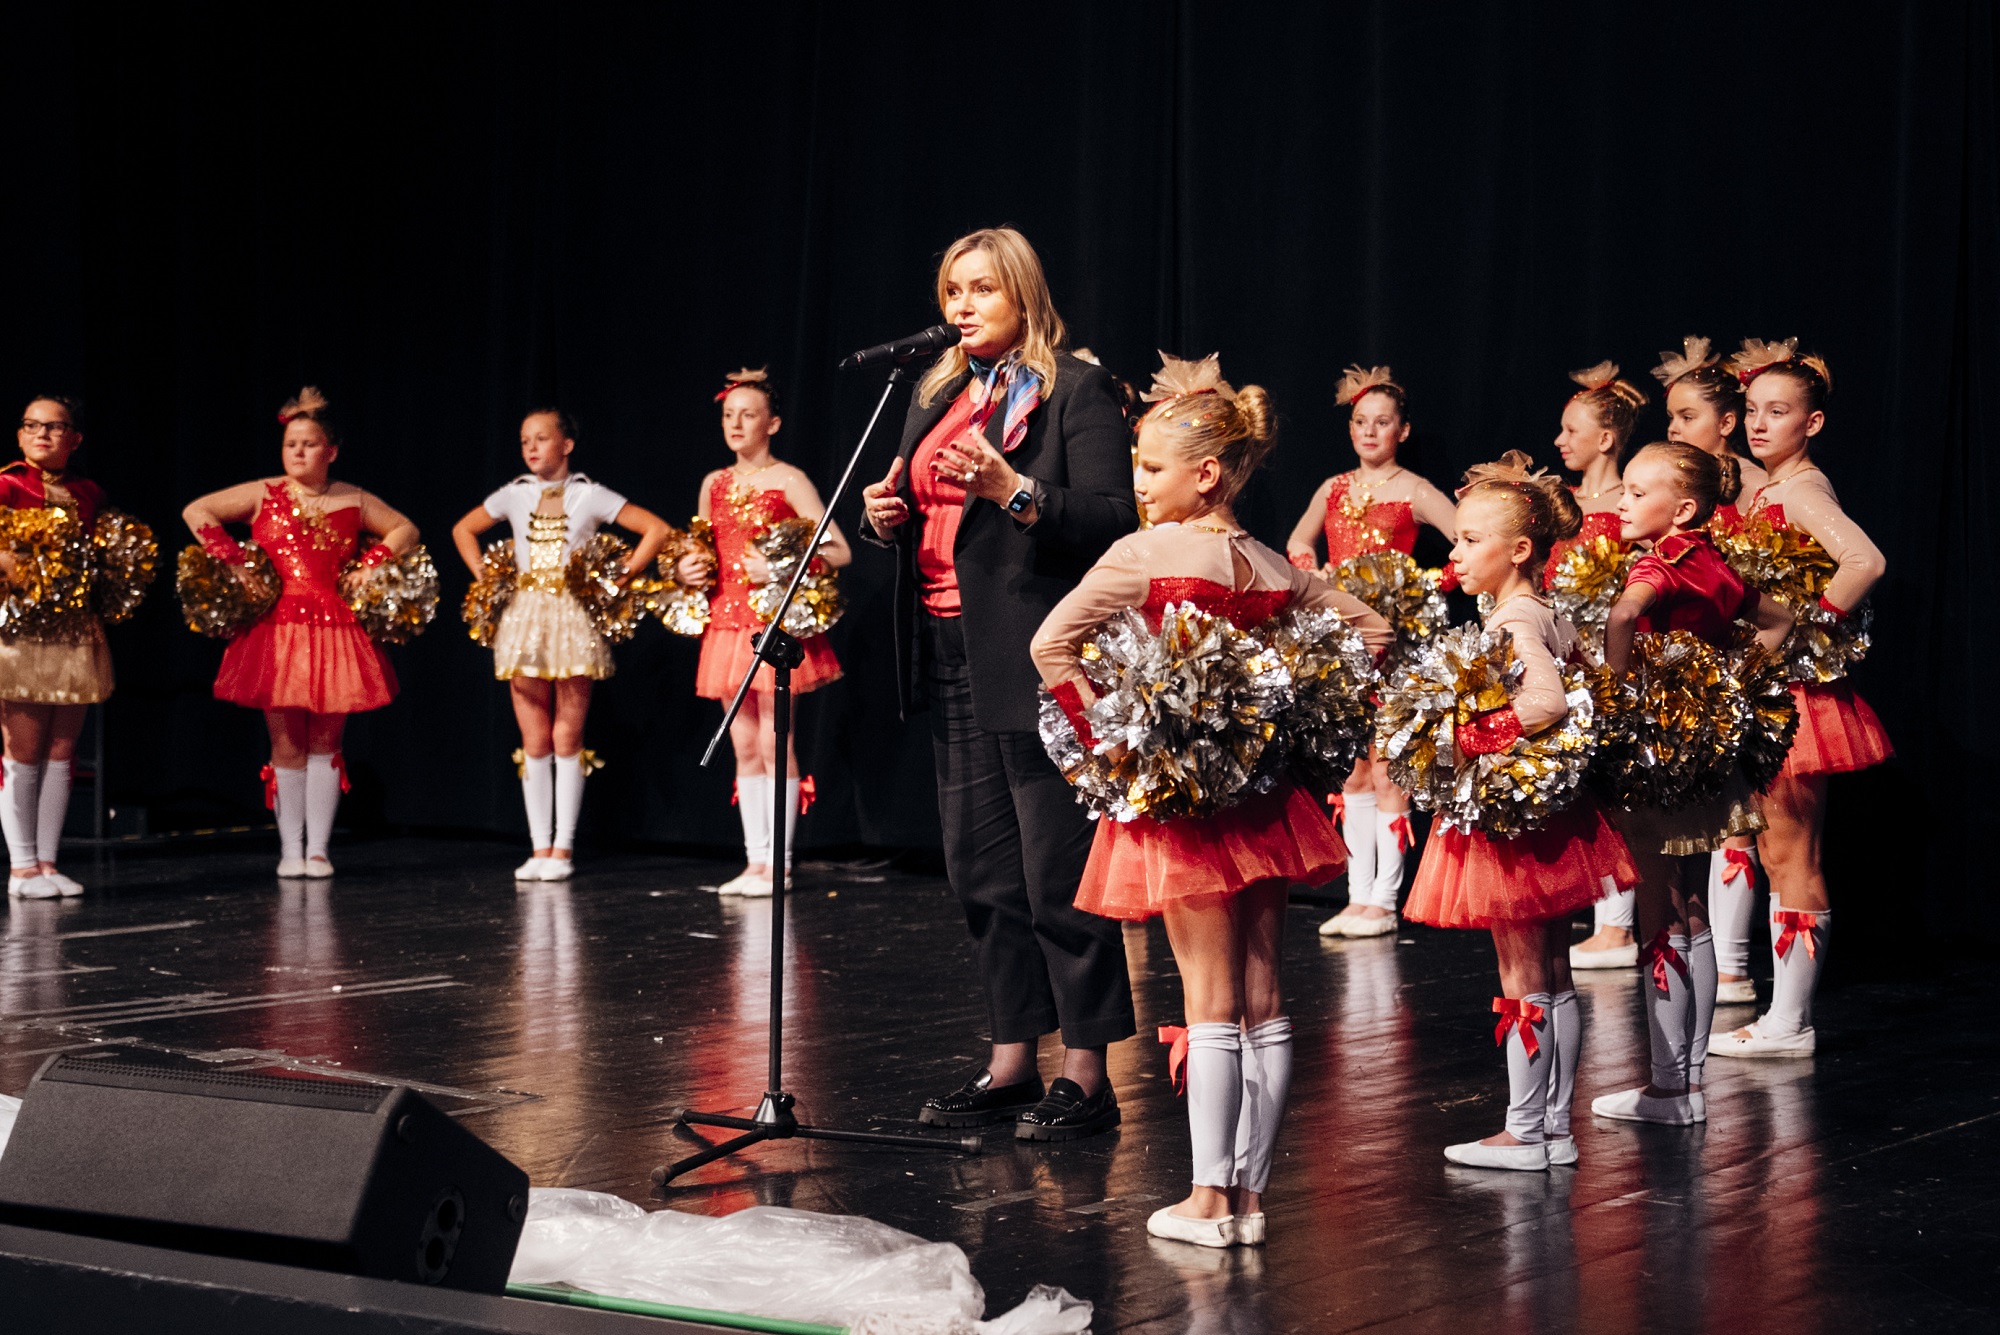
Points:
[(978, 1101), (1068, 1114)]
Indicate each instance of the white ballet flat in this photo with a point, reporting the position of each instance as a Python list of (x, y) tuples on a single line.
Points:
[(1201, 1232), (1634, 1105), (291, 869), (318, 869), (531, 870), (1741, 992), (1562, 1151), (68, 887), (1360, 929), (1519, 1158), (1618, 957), (32, 887), (1250, 1229), (734, 885), (759, 887), (557, 869), (1759, 1044), (1336, 925)]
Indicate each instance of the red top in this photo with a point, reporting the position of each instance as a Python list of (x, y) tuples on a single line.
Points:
[(309, 551), (21, 488), (1694, 588), (738, 516), (1597, 524), (1353, 530), (1244, 609), (941, 504)]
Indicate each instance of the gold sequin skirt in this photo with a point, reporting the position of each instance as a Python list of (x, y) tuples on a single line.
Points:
[(74, 669), (548, 636), (1701, 828)]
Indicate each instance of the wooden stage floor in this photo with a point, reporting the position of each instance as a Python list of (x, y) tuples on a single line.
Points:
[(564, 1022)]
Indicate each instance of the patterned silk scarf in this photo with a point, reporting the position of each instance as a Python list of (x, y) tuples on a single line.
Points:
[(1005, 381)]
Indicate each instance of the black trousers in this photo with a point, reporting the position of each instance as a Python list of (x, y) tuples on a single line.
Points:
[(1015, 843)]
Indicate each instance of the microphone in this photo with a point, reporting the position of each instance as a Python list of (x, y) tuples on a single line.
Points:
[(935, 339)]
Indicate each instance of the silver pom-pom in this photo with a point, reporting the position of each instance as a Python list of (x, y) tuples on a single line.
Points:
[(817, 605), (1331, 721), (393, 601)]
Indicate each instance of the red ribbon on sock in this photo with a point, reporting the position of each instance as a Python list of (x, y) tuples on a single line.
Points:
[(1795, 926), (1338, 802), (733, 783), (808, 794), (1662, 953), (1736, 863), (1176, 1039), (269, 775), (1405, 836), (340, 768), (1519, 1015)]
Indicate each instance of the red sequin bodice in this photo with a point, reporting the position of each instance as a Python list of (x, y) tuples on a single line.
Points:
[(1356, 525), (739, 515), (1597, 524), (1244, 609), (309, 551)]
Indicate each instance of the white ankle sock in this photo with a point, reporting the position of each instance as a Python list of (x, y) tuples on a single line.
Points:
[(753, 804), (1796, 961), (1215, 1100), (569, 799), (1267, 1082), (288, 805), (322, 802), (791, 819), (1392, 836), (1669, 1009), (1565, 1041), (20, 809), (1701, 980), (1730, 906), (1357, 831), (538, 794), (52, 809), (1528, 1073), (1615, 910)]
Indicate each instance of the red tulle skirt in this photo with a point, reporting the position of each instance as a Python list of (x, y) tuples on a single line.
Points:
[(1838, 732), (304, 665), (726, 655), (1136, 868), (1474, 880)]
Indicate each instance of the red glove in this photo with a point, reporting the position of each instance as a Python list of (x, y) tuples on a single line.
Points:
[(215, 540), (1071, 699), (1490, 732), (1838, 614), (377, 555), (1303, 561), (1449, 580)]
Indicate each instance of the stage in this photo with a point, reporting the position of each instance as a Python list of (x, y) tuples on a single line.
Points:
[(564, 1023)]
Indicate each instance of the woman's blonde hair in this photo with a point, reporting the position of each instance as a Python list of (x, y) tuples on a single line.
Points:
[(1203, 416), (1020, 272)]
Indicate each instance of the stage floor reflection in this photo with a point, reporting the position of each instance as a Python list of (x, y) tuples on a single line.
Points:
[(565, 1022)]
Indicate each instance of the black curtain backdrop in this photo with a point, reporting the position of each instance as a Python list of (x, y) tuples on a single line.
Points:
[(444, 213)]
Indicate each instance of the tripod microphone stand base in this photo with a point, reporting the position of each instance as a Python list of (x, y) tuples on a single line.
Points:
[(774, 1121)]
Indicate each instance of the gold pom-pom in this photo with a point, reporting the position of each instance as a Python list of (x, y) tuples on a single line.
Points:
[(395, 600), (1789, 565), (818, 603), (1774, 714), (1331, 719), (49, 588), (1587, 581), (1447, 682), (593, 577), (1675, 728), (221, 600), (682, 608), (490, 593), (1407, 595), (126, 557)]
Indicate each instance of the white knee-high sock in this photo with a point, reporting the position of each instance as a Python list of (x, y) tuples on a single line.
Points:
[(1798, 952), (1528, 1071), (288, 805), (322, 802), (569, 799), (1615, 910), (1215, 1100), (1669, 1008), (1392, 837), (538, 794), (20, 809), (52, 809), (1702, 981), (1732, 899), (1565, 1040), (753, 804), (791, 819), (1267, 1082), (1357, 831)]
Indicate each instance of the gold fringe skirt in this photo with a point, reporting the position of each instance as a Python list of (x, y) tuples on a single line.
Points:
[(548, 636), (1701, 828), (73, 669)]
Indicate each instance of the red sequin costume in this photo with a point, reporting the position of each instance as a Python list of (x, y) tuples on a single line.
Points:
[(741, 515), (1355, 526), (1597, 524), (307, 652)]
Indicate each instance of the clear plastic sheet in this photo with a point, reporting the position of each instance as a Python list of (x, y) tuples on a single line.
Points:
[(837, 1269)]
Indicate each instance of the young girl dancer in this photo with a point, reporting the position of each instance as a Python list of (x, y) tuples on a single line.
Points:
[(1523, 889), (1785, 408), (1682, 583), (545, 647), (306, 663), (742, 502), (1704, 409), (1220, 882), (1376, 507), (1597, 425), (48, 680)]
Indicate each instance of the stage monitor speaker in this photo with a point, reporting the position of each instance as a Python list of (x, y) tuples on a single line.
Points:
[(330, 1174)]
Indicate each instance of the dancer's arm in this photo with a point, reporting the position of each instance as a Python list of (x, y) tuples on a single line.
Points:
[(1317, 592), (1540, 702), (804, 497), (1809, 504), (1302, 548), (652, 531), (1116, 582), (1433, 507), (465, 536), (1772, 619), (399, 535), (205, 515)]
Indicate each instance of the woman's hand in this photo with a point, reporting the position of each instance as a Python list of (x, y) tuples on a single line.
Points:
[(885, 510), (696, 570), (974, 464)]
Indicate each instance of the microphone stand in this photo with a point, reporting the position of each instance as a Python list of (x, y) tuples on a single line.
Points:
[(774, 1119)]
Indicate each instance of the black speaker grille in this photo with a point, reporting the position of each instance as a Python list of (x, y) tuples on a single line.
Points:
[(173, 1076)]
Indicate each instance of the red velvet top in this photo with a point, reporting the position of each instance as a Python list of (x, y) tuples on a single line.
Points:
[(21, 488), (1380, 525), (940, 504), (1597, 524), (1694, 588)]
